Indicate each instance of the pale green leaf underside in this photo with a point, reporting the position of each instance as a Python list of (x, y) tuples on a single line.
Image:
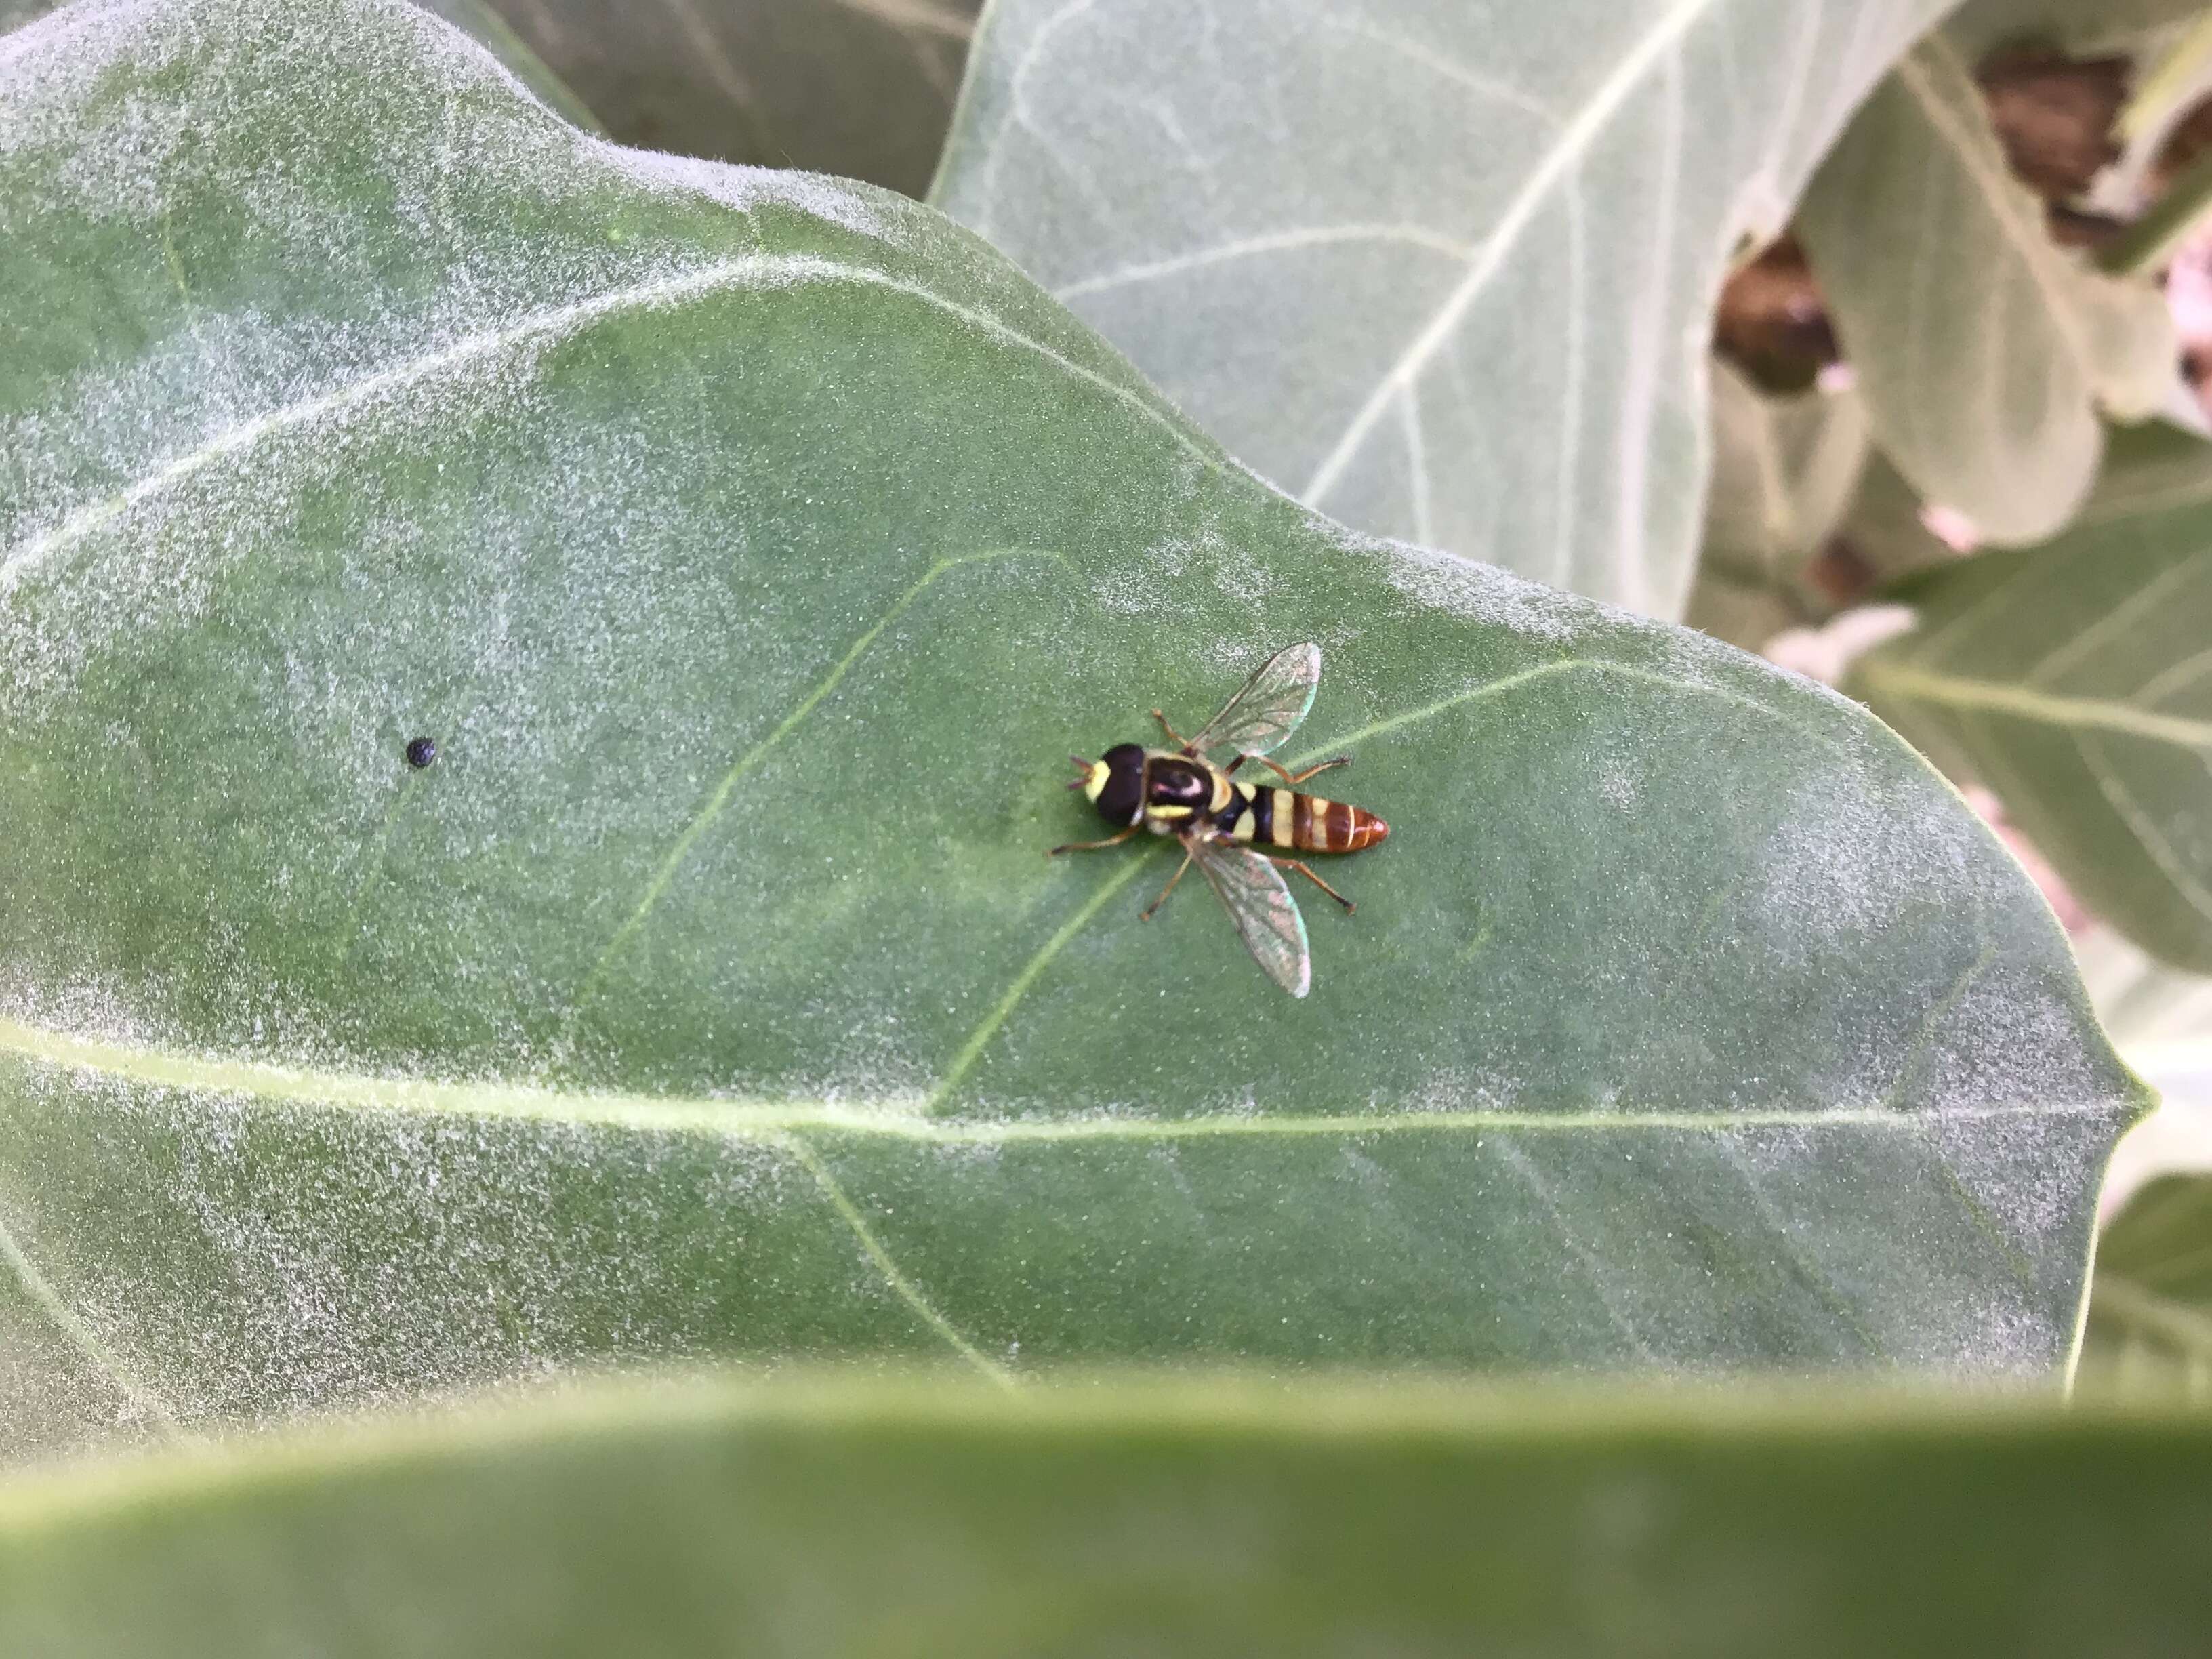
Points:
[(1218, 1518), (2149, 1332), (756, 549), (1445, 272), (1983, 350), (1786, 470), (2075, 680)]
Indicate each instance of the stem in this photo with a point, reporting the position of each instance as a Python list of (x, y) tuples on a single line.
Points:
[(2150, 242), (2174, 79)]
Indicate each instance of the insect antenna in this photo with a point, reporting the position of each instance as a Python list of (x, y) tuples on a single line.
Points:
[(1083, 767)]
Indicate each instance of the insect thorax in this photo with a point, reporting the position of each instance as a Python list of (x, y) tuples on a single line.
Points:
[(1179, 789)]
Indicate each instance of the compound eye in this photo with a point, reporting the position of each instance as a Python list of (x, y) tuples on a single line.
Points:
[(1121, 801)]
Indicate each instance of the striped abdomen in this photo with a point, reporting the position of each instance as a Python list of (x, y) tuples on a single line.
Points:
[(1290, 819)]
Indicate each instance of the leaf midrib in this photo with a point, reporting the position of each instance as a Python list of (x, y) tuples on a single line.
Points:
[(2066, 713), (1568, 148), (774, 1120), (2003, 195)]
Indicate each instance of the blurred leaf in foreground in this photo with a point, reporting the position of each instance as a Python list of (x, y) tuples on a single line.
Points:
[(1215, 1519)]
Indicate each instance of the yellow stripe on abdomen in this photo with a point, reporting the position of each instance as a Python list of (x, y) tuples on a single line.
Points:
[(1313, 823), (1246, 825)]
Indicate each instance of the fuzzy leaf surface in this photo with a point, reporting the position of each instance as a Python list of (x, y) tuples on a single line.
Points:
[(756, 549)]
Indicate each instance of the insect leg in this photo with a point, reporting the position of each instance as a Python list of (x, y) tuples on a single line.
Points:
[(1290, 777), (1174, 736), (1145, 915), (1093, 846), (1306, 870)]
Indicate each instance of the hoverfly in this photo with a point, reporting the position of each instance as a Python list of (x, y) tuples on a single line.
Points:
[(1224, 825)]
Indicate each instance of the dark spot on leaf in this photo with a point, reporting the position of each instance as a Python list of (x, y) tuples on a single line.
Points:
[(422, 752)]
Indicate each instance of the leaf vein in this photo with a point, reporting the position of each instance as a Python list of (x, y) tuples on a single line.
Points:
[(909, 1292), (735, 1118), (1592, 1265), (719, 800), (83, 1337), (1939, 1010), (2147, 829), (1815, 1277), (2067, 713), (1281, 242), (1574, 139), (2005, 196)]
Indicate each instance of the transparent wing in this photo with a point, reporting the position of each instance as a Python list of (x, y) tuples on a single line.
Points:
[(1266, 914), (1268, 709)]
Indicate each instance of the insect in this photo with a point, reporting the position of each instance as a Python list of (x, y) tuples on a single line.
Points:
[(1235, 832)]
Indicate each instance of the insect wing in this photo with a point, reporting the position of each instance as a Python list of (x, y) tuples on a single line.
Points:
[(1269, 707), (1267, 916)]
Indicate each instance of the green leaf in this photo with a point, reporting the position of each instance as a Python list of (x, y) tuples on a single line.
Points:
[(1981, 348), (1786, 469), (2149, 1330), (1214, 1518), (2148, 244), (756, 549), (2072, 679), (1445, 272), (860, 88)]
